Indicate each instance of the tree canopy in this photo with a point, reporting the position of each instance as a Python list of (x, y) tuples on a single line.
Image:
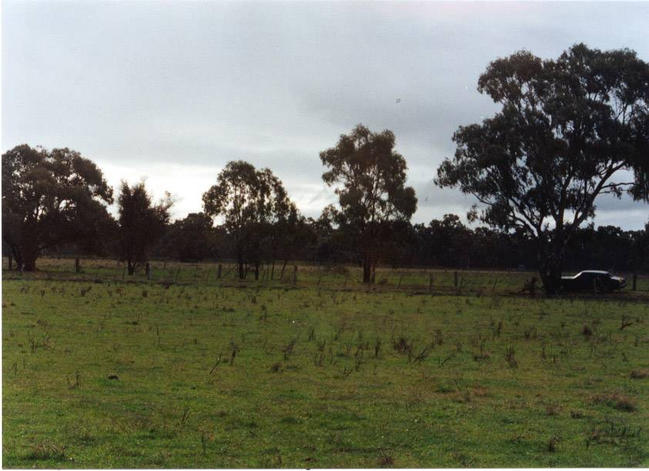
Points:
[(191, 239), (51, 198), (566, 129), (369, 178)]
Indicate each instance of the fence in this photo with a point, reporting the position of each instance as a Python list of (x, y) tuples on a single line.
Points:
[(291, 275)]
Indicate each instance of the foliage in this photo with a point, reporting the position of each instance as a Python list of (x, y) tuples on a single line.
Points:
[(51, 198), (252, 203), (369, 178), (191, 239), (447, 240), (565, 130), (141, 224)]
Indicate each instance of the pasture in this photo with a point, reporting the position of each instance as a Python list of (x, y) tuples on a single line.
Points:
[(425, 369)]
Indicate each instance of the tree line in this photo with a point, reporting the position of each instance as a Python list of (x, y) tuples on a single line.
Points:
[(565, 131), (441, 243)]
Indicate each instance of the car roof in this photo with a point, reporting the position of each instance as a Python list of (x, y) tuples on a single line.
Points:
[(594, 272)]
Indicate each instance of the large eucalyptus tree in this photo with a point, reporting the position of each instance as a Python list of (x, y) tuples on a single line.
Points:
[(369, 178), (569, 130), (51, 198)]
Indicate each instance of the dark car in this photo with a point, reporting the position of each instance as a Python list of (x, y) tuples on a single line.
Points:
[(592, 280)]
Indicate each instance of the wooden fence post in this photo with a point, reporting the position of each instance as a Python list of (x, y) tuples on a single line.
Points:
[(10, 261), (635, 281), (455, 279), (147, 270), (295, 274), (77, 265), (219, 272), (430, 282)]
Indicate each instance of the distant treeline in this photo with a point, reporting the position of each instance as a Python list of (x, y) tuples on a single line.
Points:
[(445, 243)]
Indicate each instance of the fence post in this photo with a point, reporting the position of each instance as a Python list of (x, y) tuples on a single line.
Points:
[(10, 261), (635, 280), (77, 265), (430, 282), (455, 279), (219, 272), (295, 274), (147, 270)]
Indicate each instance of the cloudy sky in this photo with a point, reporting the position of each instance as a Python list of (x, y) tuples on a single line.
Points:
[(171, 91)]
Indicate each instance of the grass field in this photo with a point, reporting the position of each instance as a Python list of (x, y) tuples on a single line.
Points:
[(210, 372)]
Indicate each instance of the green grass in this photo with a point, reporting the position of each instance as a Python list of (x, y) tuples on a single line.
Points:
[(205, 375)]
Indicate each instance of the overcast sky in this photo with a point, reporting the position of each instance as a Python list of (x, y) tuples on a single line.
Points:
[(171, 91)]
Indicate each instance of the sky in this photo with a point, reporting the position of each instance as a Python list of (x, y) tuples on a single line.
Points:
[(170, 91)]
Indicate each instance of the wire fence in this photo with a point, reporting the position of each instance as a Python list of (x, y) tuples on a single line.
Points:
[(335, 277)]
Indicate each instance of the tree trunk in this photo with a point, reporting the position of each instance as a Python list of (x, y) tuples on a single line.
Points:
[(29, 254), (367, 269), (281, 274), (29, 263), (18, 256), (550, 268), (242, 273)]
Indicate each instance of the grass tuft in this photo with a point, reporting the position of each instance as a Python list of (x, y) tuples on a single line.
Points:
[(616, 401), (47, 452)]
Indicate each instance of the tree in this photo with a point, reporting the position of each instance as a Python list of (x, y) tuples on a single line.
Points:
[(51, 198), (141, 224), (191, 239), (452, 241), (565, 130), (369, 178), (292, 236), (251, 202)]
